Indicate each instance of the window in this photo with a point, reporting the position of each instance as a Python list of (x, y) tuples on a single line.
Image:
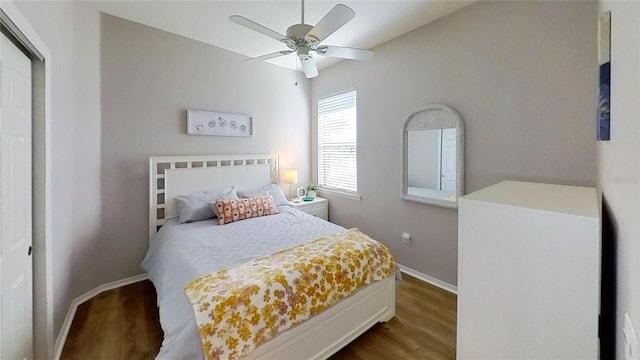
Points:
[(337, 145)]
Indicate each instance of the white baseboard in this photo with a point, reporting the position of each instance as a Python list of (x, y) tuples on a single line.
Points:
[(66, 325), (429, 279)]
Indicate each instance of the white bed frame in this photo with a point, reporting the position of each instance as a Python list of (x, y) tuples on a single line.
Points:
[(316, 338)]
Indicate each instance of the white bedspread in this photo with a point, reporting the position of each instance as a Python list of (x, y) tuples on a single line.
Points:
[(181, 252)]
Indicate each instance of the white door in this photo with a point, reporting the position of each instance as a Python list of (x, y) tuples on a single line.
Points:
[(16, 313), (449, 150)]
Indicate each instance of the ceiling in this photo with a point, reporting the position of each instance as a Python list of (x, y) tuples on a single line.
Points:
[(375, 22)]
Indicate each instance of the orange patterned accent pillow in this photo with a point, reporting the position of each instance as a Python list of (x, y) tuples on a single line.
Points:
[(231, 210)]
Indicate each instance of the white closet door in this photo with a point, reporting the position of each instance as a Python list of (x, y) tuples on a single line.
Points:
[(16, 293)]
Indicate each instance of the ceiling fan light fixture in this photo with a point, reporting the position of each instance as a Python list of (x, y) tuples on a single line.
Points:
[(308, 65)]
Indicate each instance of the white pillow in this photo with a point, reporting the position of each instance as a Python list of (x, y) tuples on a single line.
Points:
[(195, 207), (271, 189)]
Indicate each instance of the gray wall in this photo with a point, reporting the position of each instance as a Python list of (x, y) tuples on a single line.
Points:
[(149, 79), (523, 77), (619, 175)]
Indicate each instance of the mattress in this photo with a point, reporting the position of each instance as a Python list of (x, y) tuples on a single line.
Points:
[(179, 253)]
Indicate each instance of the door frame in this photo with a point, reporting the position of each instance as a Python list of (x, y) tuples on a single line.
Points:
[(21, 30)]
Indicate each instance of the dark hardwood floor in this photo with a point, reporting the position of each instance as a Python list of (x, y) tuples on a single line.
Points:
[(123, 324)]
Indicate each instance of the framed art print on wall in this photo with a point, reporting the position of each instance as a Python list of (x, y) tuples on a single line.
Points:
[(218, 124), (604, 62)]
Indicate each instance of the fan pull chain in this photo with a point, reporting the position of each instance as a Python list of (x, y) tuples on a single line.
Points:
[(295, 61)]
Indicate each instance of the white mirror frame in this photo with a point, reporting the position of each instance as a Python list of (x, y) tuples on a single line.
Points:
[(431, 117)]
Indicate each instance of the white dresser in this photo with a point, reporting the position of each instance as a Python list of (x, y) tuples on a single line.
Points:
[(528, 272)]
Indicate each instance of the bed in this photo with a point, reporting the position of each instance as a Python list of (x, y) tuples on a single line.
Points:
[(178, 253)]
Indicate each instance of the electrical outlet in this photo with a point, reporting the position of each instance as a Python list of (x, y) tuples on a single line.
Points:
[(630, 339), (406, 238)]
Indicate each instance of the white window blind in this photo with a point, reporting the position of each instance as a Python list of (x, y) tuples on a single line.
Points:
[(337, 142)]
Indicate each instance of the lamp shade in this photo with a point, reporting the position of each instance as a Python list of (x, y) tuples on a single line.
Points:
[(290, 176)]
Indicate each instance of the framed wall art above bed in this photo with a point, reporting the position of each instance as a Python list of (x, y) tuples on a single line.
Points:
[(218, 124)]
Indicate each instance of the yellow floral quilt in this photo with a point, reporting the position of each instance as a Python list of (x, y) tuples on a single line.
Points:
[(239, 308)]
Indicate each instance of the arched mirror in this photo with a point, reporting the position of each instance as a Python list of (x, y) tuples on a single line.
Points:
[(433, 156)]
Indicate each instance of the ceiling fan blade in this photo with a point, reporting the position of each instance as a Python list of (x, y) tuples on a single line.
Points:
[(345, 52), (269, 56), (240, 20), (308, 66), (334, 20)]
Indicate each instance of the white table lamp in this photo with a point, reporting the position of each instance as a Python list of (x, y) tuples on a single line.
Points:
[(290, 177)]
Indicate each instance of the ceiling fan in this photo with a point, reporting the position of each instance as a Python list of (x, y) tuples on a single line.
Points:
[(304, 39)]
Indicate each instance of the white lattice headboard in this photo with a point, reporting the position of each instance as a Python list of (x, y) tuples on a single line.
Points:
[(170, 176)]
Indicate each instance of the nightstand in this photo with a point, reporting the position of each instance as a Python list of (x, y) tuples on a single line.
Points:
[(317, 207)]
